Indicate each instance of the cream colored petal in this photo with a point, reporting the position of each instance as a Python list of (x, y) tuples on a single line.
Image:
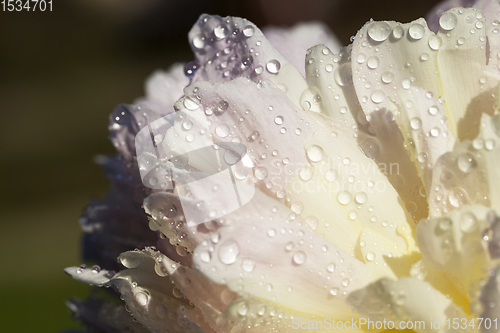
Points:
[(331, 91), (422, 122), (454, 245), (462, 60), (405, 301), (469, 174), (279, 260), (342, 192)]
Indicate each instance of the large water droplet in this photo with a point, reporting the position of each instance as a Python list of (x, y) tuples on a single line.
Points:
[(434, 42), (222, 130), (315, 153), (372, 62), (448, 21), (248, 31), (370, 147), (299, 257), (273, 66), (387, 77), (297, 207), (221, 31), (228, 252), (416, 31), (457, 197), (361, 197), (344, 197), (415, 123), (260, 173), (330, 267), (306, 173), (379, 31), (398, 32), (468, 222), (370, 256), (377, 96)]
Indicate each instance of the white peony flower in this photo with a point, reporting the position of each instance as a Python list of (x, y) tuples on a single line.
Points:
[(376, 184)]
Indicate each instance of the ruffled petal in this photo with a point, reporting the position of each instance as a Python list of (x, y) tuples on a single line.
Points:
[(93, 276), (453, 244), (407, 301), (231, 47), (342, 192), (468, 174)]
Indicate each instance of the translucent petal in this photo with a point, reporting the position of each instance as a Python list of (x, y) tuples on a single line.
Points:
[(405, 301), (92, 276), (342, 182), (330, 85), (453, 244), (305, 273), (422, 122), (227, 48), (468, 174)]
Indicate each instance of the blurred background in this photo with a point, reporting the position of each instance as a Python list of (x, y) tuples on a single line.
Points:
[(61, 74)]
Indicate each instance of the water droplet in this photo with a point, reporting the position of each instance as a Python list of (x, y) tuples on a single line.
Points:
[(416, 31), (444, 224), (243, 309), (424, 57), (222, 130), (406, 83), (466, 162), (448, 21), (278, 120), (330, 267), (468, 222), (434, 42), (344, 197), (271, 233), (315, 153), (433, 110), (372, 62), (361, 197), (248, 31), (345, 282), (370, 256), (297, 207), (205, 256), (273, 66), (289, 246), (370, 147), (461, 41), (142, 298), (221, 31), (334, 291), (199, 42), (329, 68), (415, 123), (435, 132), (260, 173), (228, 252), (457, 197), (299, 257), (387, 77), (121, 115), (377, 96), (398, 32), (306, 173), (379, 31)]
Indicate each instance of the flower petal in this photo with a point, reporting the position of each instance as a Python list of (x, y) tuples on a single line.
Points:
[(227, 48), (422, 122), (239, 256), (469, 172), (342, 182), (453, 245), (406, 301), (92, 276), (489, 302)]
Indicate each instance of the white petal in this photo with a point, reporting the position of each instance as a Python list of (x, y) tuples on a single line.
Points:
[(293, 42), (422, 122), (227, 48), (453, 244), (305, 273), (342, 182), (330, 81), (407, 300), (468, 90), (92, 276), (468, 174)]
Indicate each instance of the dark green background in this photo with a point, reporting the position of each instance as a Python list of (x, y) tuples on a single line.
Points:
[(61, 74)]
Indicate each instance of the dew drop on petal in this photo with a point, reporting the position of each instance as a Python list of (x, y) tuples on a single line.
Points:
[(228, 252), (377, 96), (273, 66), (306, 173), (278, 120), (372, 62), (222, 130), (398, 32), (297, 207), (434, 42), (433, 110), (387, 77), (248, 31), (334, 291), (416, 31), (415, 123), (331, 175), (370, 256), (344, 197), (466, 162), (330, 267), (299, 257), (361, 197), (457, 197), (315, 153), (221, 31), (370, 147), (379, 31), (260, 173), (448, 21)]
